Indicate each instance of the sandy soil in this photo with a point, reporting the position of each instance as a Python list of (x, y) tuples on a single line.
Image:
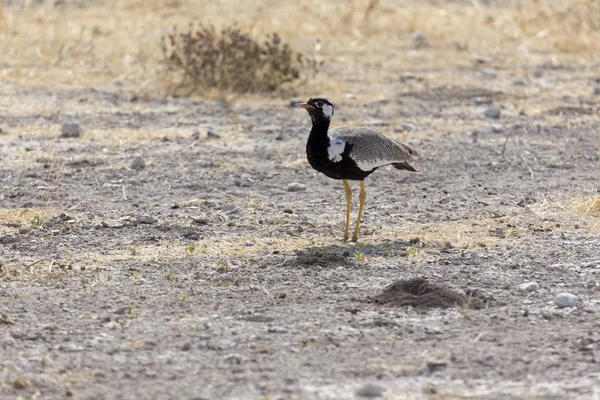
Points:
[(240, 288)]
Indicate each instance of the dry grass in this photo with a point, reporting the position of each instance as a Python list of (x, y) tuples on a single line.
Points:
[(119, 40)]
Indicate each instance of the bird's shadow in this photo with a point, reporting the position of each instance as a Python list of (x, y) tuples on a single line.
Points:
[(358, 250)]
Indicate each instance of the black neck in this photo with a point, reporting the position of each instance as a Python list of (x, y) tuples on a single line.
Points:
[(319, 128)]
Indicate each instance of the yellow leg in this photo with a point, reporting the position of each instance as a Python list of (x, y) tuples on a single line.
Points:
[(348, 204), (362, 198)]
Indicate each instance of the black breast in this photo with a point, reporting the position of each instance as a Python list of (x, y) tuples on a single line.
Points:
[(318, 158)]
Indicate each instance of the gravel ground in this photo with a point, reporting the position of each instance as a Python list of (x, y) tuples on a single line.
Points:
[(185, 249)]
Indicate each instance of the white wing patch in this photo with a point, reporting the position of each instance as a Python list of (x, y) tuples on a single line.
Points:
[(327, 110), (335, 149), (368, 165)]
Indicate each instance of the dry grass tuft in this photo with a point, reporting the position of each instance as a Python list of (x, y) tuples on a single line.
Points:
[(587, 206), (230, 60)]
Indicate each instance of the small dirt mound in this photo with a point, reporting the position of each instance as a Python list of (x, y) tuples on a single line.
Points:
[(420, 293)]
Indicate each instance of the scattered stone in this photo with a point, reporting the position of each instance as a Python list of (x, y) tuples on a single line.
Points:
[(538, 72), (483, 60), (211, 134), (563, 300), (70, 130), (288, 211), (234, 358), (186, 347), (597, 91), (138, 163), (529, 286), (409, 127), (419, 38), (277, 329), (196, 135), (519, 82), (479, 100), (200, 220), (296, 187), (435, 365), (145, 219), (497, 128), (493, 112), (489, 72), (370, 390), (294, 101), (3, 132)]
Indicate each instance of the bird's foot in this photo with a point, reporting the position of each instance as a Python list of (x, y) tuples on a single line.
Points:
[(355, 238), (346, 237)]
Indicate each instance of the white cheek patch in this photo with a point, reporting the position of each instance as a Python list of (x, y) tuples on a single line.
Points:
[(327, 110), (336, 149)]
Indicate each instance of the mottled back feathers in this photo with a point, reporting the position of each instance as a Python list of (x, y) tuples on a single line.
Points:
[(370, 149)]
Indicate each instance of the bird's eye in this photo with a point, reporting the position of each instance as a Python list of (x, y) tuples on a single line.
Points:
[(319, 104)]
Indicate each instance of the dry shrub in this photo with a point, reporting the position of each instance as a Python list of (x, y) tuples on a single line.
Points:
[(204, 58)]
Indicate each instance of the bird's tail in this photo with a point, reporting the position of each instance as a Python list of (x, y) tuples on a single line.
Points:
[(404, 166)]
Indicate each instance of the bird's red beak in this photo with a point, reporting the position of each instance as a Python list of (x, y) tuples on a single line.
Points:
[(305, 106)]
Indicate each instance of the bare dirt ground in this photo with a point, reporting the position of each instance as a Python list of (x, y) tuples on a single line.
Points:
[(239, 288)]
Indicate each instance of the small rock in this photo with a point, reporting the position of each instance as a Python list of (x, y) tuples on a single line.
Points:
[(409, 127), (479, 100), (288, 211), (138, 163), (519, 82), (186, 347), (211, 134), (497, 128), (277, 329), (200, 220), (70, 130), (538, 72), (296, 187), (529, 286), (597, 90), (483, 60), (3, 132), (493, 112), (145, 219), (419, 38), (370, 390), (563, 300), (489, 72), (196, 135), (294, 101)]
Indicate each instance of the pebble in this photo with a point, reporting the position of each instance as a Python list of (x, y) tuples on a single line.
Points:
[(483, 60), (519, 82), (288, 211), (200, 220), (409, 127), (145, 219), (493, 112), (489, 72), (497, 128), (296, 187), (277, 329), (294, 101), (420, 39), (138, 163), (529, 286), (370, 390), (70, 130), (563, 300), (597, 90)]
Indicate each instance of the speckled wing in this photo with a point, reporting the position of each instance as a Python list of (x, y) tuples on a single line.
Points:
[(370, 149)]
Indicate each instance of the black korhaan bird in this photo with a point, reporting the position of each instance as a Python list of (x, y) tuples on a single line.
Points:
[(350, 153)]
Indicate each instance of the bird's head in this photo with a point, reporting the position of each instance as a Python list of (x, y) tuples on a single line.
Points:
[(319, 108)]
